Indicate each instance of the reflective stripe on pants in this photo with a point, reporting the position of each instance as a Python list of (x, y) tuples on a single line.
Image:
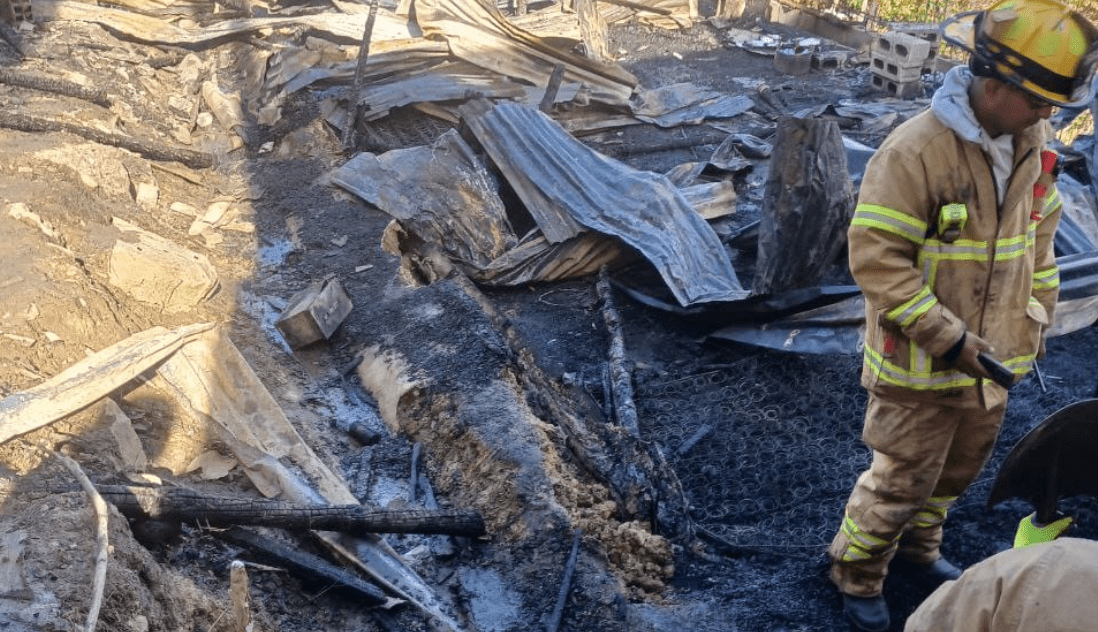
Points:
[(924, 457)]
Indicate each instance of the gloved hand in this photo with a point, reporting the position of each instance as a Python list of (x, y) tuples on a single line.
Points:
[(1030, 533), (968, 361)]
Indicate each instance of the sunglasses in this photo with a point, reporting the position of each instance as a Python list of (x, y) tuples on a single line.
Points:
[(1034, 102)]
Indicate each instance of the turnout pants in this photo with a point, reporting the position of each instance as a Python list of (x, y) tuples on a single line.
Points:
[(924, 456)]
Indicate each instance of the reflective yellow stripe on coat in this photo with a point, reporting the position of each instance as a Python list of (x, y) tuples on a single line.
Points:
[(931, 254)]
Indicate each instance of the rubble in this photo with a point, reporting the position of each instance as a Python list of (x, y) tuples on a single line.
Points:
[(434, 173)]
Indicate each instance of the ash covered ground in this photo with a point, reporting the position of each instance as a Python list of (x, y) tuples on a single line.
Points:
[(764, 444)]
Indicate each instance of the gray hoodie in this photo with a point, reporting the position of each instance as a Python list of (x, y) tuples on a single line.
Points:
[(951, 105)]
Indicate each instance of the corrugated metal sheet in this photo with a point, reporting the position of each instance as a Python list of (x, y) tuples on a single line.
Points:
[(567, 187)]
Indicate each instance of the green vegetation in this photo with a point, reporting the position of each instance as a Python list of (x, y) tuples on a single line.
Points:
[(925, 11)]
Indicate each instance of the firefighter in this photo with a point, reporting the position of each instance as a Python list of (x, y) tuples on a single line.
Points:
[(952, 245), (1043, 584)]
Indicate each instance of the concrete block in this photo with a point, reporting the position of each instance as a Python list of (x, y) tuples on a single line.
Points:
[(16, 11), (885, 67), (313, 314), (908, 90), (931, 35), (829, 60), (905, 51), (928, 32)]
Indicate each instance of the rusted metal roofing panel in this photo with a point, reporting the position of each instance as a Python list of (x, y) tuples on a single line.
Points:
[(143, 28), (478, 33), (445, 82), (567, 187)]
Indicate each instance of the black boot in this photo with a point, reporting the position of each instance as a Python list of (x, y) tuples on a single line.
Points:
[(929, 576), (866, 614)]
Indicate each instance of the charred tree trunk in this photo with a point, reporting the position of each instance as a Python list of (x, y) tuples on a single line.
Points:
[(807, 206), (54, 86), (621, 380)]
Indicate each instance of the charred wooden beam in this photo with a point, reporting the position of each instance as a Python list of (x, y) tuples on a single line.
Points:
[(146, 148), (565, 586), (304, 564), (355, 108), (640, 6), (621, 380), (54, 86), (184, 505), (551, 89)]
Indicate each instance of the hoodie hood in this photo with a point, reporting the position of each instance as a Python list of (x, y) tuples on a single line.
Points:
[(953, 108), (951, 105)]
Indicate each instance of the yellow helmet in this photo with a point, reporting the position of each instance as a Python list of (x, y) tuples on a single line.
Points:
[(1041, 46)]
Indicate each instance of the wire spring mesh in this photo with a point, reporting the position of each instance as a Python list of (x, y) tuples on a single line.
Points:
[(766, 452)]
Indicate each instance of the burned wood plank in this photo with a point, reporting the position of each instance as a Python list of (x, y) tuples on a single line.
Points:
[(593, 28), (149, 149), (176, 503), (339, 27), (304, 564)]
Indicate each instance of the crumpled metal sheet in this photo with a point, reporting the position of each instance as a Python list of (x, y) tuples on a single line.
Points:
[(566, 186), (832, 329), (1078, 228), (441, 192), (687, 103), (444, 195)]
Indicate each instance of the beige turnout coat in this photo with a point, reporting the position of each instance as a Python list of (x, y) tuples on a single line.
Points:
[(1041, 588), (998, 279)]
